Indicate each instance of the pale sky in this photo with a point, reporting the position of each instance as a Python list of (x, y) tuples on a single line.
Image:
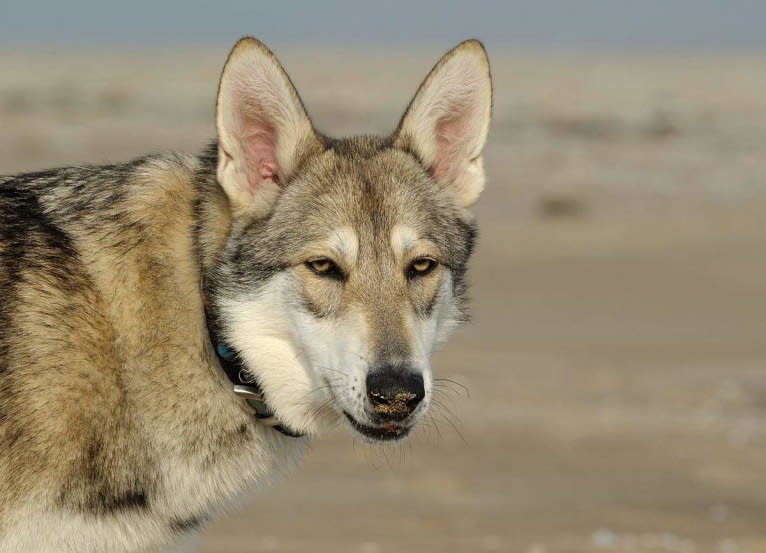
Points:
[(532, 24)]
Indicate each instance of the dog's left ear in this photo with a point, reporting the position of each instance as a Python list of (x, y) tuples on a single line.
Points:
[(447, 121), (264, 133)]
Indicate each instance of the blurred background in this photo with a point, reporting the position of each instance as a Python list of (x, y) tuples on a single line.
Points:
[(611, 391)]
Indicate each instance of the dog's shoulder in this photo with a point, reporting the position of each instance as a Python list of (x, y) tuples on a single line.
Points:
[(97, 268)]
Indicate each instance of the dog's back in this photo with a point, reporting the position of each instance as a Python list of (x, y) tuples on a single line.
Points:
[(58, 379), (62, 399)]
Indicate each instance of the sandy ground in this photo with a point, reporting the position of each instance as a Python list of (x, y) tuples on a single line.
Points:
[(617, 359)]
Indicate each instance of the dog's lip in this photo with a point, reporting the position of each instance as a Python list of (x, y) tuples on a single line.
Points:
[(384, 433)]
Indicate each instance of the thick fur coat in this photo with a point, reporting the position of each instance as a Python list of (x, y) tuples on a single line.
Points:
[(321, 261)]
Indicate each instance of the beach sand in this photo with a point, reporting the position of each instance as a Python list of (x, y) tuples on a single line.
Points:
[(616, 361)]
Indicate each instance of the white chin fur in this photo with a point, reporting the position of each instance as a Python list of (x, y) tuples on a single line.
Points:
[(257, 326)]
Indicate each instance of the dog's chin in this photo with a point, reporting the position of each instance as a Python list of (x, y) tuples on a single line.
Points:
[(385, 433)]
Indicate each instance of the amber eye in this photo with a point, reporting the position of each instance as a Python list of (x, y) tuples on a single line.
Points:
[(325, 267), (421, 267)]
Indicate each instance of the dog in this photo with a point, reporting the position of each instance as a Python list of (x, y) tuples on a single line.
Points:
[(175, 330)]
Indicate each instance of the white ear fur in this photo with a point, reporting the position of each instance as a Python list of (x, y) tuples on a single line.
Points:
[(447, 121), (263, 129)]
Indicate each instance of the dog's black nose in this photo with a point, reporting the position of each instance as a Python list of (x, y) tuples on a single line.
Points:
[(394, 392)]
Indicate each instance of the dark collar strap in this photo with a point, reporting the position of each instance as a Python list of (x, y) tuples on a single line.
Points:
[(245, 386)]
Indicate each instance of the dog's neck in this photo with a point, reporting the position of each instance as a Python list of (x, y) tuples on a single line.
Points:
[(211, 233)]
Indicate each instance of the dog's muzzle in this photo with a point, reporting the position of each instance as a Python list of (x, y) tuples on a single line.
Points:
[(394, 393)]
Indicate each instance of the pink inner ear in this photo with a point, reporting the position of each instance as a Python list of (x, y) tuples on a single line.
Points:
[(260, 144), (450, 133)]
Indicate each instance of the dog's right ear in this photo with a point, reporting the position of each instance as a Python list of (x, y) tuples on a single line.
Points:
[(264, 133)]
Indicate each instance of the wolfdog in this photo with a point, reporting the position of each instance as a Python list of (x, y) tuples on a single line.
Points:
[(175, 329)]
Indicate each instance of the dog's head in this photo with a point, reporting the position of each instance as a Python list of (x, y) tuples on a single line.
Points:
[(346, 263)]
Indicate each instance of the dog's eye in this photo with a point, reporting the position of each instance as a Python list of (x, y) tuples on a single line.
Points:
[(325, 267), (421, 267)]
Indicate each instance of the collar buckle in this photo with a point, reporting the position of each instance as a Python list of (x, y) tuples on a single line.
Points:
[(255, 399)]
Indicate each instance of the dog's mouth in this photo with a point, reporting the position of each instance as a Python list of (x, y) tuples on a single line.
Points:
[(384, 433)]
